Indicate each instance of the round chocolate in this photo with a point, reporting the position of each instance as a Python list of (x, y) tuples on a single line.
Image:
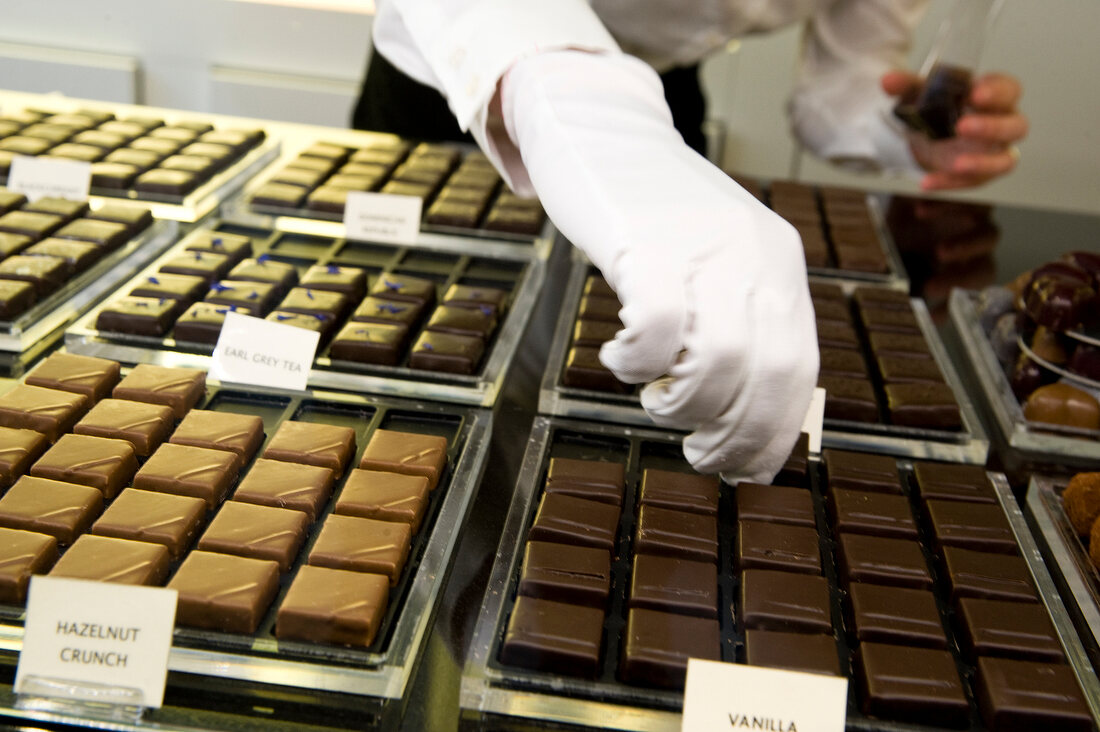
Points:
[(1062, 404)]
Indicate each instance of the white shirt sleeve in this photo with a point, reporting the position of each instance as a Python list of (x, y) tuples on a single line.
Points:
[(463, 47), (838, 108)]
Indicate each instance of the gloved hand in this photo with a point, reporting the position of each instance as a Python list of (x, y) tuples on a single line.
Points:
[(716, 309)]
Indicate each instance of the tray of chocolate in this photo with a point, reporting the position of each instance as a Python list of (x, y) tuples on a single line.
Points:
[(842, 229), (393, 319), (333, 517), (919, 581), (58, 257), (182, 166), (1064, 514), (461, 192), (1033, 348), (890, 386)]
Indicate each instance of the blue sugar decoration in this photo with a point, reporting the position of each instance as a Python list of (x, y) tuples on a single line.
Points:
[(154, 281)]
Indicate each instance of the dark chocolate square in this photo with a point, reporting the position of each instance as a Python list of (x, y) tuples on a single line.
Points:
[(583, 370), (674, 585), (868, 512), (352, 281), (805, 652), (185, 289), (257, 297), (874, 559), (987, 576), (392, 312), (393, 286), (679, 534), (924, 404), (916, 685), (980, 526), (772, 600), (568, 520), (951, 482), (894, 615), (762, 545), (207, 265), (1006, 629), (15, 298), (44, 273), (167, 182), (848, 399), (595, 480), (263, 269), (657, 646), (377, 343), (861, 471), (775, 504), (564, 573), (679, 491), (1021, 695), (145, 316), (553, 636)]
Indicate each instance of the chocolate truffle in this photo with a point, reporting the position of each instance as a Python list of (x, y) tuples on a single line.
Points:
[(324, 445), (657, 646), (62, 510), (776, 504), (1019, 695), (189, 471), (762, 545), (895, 562), (260, 532), (985, 575), (679, 491), (808, 653), (406, 452), (106, 559), (669, 533), (158, 518), (596, 480), (568, 520), (145, 316), (773, 600), (49, 411), (917, 685), (23, 553), (240, 434), (18, 449), (1081, 501), (281, 484), (362, 545), (384, 496), (333, 606), (179, 388), (564, 573), (553, 636), (894, 615), (224, 592), (99, 462)]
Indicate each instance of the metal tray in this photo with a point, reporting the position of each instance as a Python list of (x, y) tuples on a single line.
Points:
[(522, 275), (257, 675), (1067, 557), (511, 697), (73, 298), (969, 445), (239, 209), (195, 205), (997, 394)]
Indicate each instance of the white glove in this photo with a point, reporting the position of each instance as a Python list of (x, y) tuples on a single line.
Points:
[(713, 284)]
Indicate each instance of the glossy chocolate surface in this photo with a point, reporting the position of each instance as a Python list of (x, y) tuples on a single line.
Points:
[(179, 388), (106, 559), (153, 517), (49, 411), (679, 534), (914, 684), (595, 480), (772, 600), (62, 510), (809, 653), (894, 615), (384, 496), (895, 562), (868, 512), (674, 585), (260, 532), (18, 449), (92, 377), (281, 484), (240, 434), (405, 452), (775, 504), (568, 520), (656, 646), (23, 553), (1017, 695), (333, 606), (323, 445), (362, 545), (985, 575), (1006, 629), (224, 592), (564, 573), (553, 636), (189, 471), (103, 463), (763, 545)]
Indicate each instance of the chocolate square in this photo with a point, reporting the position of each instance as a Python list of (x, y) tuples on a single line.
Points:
[(188, 471), (62, 510), (317, 322), (1018, 695), (456, 354), (393, 312), (77, 255), (324, 445), (240, 434), (674, 585), (376, 343), (583, 370), (207, 265), (676, 534), (179, 388), (167, 182), (233, 246), (895, 562), (135, 218), (844, 363), (576, 521), (202, 322), (158, 518), (915, 685), (987, 576), (657, 646), (952, 482), (894, 615), (351, 281), (680, 491), (898, 344), (805, 652), (406, 452), (593, 333), (575, 574), (900, 370), (15, 297), (362, 545), (329, 199), (49, 411), (861, 471), (793, 472), (384, 496), (867, 512), (104, 234), (186, 289), (762, 545), (333, 606), (145, 316), (13, 243), (773, 600), (18, 449), (23, 553), (260, 532), (923, 404), (303, 488), (162, 148), (393, 286), (98, 462), (1006, 629), (106, 559), (471, 296), (45, 273), (848, 399), (315, 302), (264, 269), (514, 220), (553, 636), (775, 504), (258, 297), (980, 526), (476, 322), (596, 480), (224, 592)]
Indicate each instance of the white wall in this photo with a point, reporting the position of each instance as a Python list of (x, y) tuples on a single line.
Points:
[(281, 61)]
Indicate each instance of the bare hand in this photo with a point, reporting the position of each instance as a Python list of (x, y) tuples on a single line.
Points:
[(984, 146)]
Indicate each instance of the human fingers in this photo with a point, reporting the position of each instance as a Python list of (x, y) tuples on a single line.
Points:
[(987, 164), (998, 93), (899, 83), (998, 128)]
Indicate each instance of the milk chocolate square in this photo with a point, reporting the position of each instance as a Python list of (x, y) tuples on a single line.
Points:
[(333, 606), (260, 532), (106, 559), (240, 434), (18, 449), (102, 463), (49, 411), (224, 592), (189, 471), (159, 518), (406, 452), (384, 496), (362, 545), (276, 483), (23, 553), (328, 446), (93, 377), (62, 510), (179, 388)]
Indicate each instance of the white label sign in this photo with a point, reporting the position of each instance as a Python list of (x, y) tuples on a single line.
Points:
[(382, 217), (815, 416), (263, 353), (99, 634), (40, 177), (731, 697)]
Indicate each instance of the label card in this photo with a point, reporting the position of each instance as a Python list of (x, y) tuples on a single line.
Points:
[(41, 177), (815, 416), (382, 217), (97, 633), (730, 697), (263, 353)]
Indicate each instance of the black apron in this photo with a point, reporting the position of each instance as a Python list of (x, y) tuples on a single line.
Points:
[(392, 102)]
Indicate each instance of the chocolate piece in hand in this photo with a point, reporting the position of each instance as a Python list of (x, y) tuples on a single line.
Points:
[(938, 104)]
